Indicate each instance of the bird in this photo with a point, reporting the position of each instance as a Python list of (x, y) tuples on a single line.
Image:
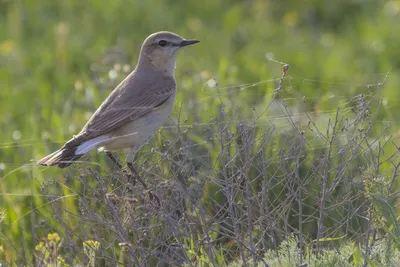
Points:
[(138, 106)]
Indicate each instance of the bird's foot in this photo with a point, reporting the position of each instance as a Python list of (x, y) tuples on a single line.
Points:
[(152, 196)]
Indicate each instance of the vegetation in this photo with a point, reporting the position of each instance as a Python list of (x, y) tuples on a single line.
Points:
[(260, 163)]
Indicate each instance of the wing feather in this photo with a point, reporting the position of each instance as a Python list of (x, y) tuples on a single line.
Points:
[(131, 99)]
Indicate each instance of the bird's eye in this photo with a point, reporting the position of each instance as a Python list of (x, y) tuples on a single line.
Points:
[(162, 43)]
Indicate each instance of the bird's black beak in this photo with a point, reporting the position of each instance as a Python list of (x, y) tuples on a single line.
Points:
[(188, 42)]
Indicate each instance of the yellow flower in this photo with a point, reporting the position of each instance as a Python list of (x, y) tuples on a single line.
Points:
[(54, 236)]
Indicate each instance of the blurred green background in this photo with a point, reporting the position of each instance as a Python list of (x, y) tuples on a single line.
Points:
[(58, 61)]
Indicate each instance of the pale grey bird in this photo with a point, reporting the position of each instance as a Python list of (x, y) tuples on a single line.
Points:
[(135, 108)]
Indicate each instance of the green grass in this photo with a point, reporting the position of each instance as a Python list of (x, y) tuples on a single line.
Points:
[(235, 165)]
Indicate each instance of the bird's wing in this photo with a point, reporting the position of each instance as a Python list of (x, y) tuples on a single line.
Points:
[(132, 99)]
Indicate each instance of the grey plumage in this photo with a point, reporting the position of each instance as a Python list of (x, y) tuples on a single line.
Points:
[(134, 109)]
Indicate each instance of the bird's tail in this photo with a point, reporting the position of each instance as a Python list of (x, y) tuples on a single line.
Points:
[(63, 157)]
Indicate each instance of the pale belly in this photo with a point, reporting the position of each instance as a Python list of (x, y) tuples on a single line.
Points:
[(136, 133)]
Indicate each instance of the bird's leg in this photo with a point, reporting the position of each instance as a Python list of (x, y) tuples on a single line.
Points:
[(129, 162), (129, 176), (135, 172), (114, 160)]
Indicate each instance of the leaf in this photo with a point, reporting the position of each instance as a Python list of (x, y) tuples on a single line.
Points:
[(391, 211), (329, 239), (357, 257)]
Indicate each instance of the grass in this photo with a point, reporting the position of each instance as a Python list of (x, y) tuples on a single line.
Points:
[(254, 167)]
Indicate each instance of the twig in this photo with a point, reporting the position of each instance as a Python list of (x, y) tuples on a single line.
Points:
[(123, 237)]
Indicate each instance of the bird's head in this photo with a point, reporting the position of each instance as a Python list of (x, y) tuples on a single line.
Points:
[(160, 49)]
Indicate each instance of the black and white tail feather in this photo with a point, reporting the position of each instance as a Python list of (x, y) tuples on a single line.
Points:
[(63, 157)]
